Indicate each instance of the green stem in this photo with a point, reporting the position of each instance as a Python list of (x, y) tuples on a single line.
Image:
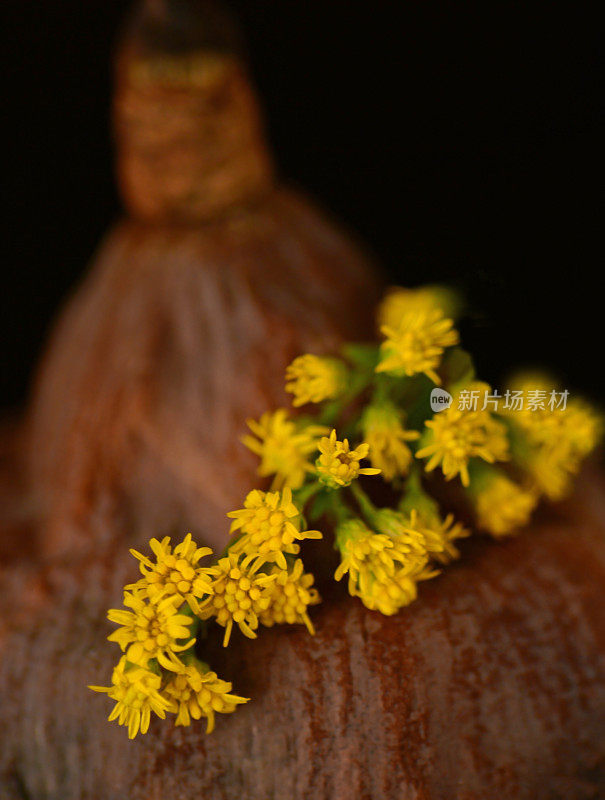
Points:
[(368, 509), (303, 495)]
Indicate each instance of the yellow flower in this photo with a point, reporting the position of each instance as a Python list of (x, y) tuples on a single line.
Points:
[(283, 446), (136, 691), (383, 431), (456, 435), (195, 691), (440, 535), (417, 344), (551, 470), (338, 465), (399, 302), (583, 428), (270, 524), (150, 630), (502, 506), (313, 379), (291, 594), (239, 594), (175, 574), (422, 513), (554, 437), (383, 570)]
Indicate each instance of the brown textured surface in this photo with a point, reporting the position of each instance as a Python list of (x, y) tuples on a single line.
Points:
[(178, 336), (490, 686)]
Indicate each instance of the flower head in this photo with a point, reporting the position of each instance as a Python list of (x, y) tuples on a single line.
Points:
[(338, 465), (421, 513), (291, 595), (383, 570), (283, 446), (175, 573), (239, 594), (270, 526), (313, 379), (551, 437), (417, 344), (194, 692), (383, 430), (150, 630), (456, 435), (136, 690), (502, 506), (399, 303), (551, 470)]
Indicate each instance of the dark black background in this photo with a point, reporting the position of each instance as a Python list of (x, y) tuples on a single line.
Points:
[(463, 145)]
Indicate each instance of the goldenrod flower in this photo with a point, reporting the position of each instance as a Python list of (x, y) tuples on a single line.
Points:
[(383, 570), (383, 430), (417, 344), (440, 535), (136, 690), (404, 532), (338, 465), (502, 506), (283, 446), (455, 436), (551, 439), (270, 526), (239, 594), (421, 512), (196, 692), (399, 302), (175, 574), (551, 470), (313, 379), (291, 594), (573, 432), (150, 630)]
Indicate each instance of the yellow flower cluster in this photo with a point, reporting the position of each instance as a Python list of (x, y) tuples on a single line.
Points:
[(174, 575), (313, 379), (150, 630), (270, 526), (291, 595), (422, 512), (502, 506), (399, 302), (555, 440), (136, 690), (195, 692), (283, 446), (381, 393), (456, 435), (258, 580), (338, 465), (416, 345), (383, 431), (383, 570), (238, 594)]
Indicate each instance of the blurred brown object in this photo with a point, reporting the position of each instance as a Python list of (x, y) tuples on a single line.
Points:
[(490, 686)]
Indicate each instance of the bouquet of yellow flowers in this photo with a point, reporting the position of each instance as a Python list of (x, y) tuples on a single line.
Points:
[(395, 412)]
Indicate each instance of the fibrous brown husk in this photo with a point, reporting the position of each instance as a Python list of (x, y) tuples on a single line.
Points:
[(490, 685)]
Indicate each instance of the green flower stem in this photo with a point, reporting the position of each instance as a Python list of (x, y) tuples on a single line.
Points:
[(368, 509), (302, 496)]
